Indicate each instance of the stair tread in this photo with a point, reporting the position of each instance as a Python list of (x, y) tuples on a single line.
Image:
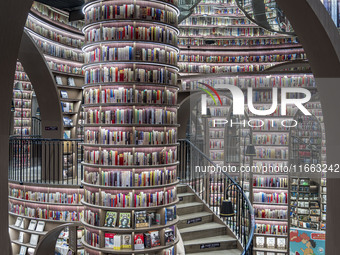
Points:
[(202, 227), (224, 252), (185, 194), (212, 239), (188, 204), (194, 215)]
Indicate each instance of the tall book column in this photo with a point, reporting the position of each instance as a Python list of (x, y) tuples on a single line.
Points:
[(130, 126)]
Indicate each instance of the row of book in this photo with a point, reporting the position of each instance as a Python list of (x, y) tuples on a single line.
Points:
[(44, 213), (67, 107), (263, 213), (130, 11), (217, 155), (23, 85), (22, 76), (19, 67), (218, 111), (130, 179), (22, 131), (160, 34), (241, 58), (272, 153), (204, 68), (106, 53), (52, 33), (215, 144), (211, 10), (209, 32), (270, 139), (272, 229), (19, 122), (198, 42), (65, 68), (130, 95), (216, 134), (279, 81), (130, 116), (128, 199), (46, 197), (128, 158), (58, 51), (24, 114), (141, 241), (273, 198), (17, 94), (269, 125), (137, 219), (119, 74), (270, 182), (57, 16), (22, 104), (137, 137), (215, 21)]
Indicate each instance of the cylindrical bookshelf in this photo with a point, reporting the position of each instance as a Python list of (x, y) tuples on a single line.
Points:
[(130, 126)]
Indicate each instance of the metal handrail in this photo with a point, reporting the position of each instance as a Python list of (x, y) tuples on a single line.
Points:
[(248, 246)]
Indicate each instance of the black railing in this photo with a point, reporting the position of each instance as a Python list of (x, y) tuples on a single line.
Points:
[(50, 161), (211, 185)]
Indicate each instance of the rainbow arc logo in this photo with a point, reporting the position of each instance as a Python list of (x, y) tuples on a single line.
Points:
[(209, 93)]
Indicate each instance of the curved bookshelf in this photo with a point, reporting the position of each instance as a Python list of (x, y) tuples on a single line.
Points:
[(131, 108)]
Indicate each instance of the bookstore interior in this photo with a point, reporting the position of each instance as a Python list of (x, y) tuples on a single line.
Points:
[(170, 127)]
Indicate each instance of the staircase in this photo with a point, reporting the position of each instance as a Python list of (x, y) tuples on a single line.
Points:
[(202, 232)]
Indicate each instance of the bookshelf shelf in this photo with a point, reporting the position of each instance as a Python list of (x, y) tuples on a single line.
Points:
[(28, 231), (130, 251), (130, 230), (44, 203), (129, 209), (132, 146), (133, 187), (128, 167)]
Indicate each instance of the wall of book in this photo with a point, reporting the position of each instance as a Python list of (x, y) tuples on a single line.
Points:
[(209, 37), (130, 127), (35, 210), (22, 103), (270, 192), (60, 42)]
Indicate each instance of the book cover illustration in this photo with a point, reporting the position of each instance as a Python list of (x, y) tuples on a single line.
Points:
[(126, 242), (110, 219), (155, 239), (141, 219), (139, 242), (124, 220)]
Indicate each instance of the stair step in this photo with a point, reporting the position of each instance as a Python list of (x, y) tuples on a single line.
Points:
[(181, 188), (202, 231), (196, 219), (186, 197), (227, 252), (191, 207), (218, 243)]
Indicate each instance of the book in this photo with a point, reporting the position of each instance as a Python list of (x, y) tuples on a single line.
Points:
[(139, 241), (18, 222), (110, 219), (109, 240), (67, 134), (271, 242), (63, 94), (141, 220), (34, 239), (23, 250), (169, 235), (32, 225), (147, 240), (58, 80), (124, 220), (40, 226), (70, 81), (154, 218), (30, 251), (21, 237), (117, 242), (169, 214), (126, 241), (155, 238), (259, 241)]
